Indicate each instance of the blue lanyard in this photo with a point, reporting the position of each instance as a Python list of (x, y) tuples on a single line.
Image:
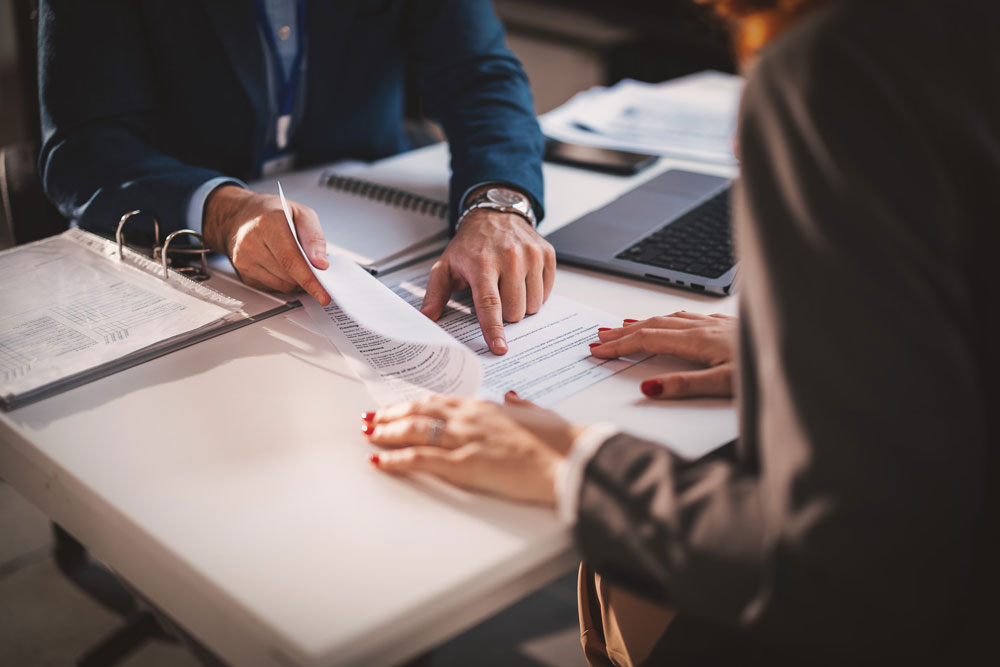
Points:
[(287, 86)]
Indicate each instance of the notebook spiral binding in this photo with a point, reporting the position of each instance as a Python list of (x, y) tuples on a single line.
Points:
[(386, 194)]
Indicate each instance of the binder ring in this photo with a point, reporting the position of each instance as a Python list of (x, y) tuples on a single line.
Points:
[(191, 272), (120, 238)]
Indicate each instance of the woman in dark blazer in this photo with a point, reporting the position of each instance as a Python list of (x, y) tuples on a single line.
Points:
[(854, 521)]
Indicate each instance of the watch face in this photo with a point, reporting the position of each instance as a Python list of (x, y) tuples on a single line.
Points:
[(505, 197)]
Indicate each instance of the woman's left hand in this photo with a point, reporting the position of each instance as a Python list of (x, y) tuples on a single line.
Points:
[(510, 450)]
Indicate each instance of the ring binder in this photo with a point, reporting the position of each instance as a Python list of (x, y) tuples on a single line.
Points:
[(385, 194), (191, 272), (162, 253), (78, 307), (120, 237)]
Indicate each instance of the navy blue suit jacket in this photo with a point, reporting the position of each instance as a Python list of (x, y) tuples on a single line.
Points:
[(143, 100)]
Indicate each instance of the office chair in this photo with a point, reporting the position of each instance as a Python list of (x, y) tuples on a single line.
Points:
[(25, 215)]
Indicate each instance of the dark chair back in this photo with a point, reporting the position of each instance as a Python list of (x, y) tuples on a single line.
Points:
[(25, 214)]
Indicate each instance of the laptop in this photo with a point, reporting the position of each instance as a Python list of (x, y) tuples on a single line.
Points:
[(673, 230)]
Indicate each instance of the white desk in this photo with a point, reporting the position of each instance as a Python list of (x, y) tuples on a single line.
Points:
[(229, 483)]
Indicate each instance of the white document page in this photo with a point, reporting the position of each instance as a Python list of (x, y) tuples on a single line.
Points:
[(401, 355), (692, 117), (66, 308), (548, 357)]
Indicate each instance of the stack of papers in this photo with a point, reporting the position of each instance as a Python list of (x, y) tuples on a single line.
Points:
[(693, 117)]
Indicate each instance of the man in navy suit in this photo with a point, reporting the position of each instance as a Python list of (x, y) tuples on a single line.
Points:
[(169, 106)]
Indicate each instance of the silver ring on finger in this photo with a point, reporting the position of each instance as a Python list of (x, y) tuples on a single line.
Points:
[(434, 431)]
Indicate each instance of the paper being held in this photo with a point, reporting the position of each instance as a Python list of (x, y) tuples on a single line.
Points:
[(402, 355), (394, 366)]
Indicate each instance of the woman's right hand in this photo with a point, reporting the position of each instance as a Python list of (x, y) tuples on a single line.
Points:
[(705, 339)]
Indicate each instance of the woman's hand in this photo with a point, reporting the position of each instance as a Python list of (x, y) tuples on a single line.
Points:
[(705, 339), (510, 450)]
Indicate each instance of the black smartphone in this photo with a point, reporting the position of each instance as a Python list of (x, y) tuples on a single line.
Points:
[(600, 159)]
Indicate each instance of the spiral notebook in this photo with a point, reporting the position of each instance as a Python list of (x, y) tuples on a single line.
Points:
[(384, 215)]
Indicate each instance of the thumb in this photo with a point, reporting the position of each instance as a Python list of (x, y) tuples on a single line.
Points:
[(310, 234), (511, 398), (715, 381), (438, 290)]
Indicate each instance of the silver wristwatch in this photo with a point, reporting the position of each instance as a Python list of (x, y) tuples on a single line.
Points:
[(501, 199)]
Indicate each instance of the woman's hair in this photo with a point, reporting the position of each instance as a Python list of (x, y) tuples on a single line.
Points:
[(754, 23), (737, 9)]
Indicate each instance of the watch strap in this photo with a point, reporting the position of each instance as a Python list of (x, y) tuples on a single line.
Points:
[(483, 201)]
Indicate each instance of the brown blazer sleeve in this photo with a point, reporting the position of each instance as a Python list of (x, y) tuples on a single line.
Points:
[(844, 521)]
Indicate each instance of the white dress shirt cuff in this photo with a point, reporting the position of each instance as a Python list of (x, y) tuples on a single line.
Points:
[(569, 473), (196, 206)]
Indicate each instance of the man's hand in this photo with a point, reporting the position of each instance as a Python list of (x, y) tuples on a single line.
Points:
[(508, 265), (251, 229)]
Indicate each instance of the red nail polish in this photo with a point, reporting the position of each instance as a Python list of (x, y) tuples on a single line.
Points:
[(367, 428), (367, 416), (513, 393), (374, 459), (652, 387), (630, 321), (604, 328), (593, 345)]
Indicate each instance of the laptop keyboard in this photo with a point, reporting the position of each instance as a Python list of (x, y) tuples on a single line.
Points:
[(699, 242)]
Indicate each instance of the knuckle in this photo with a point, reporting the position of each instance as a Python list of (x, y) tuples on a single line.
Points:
[(270, 219), (511, 254), (489, 300), (287, 262), (481, 258), (239, 259)]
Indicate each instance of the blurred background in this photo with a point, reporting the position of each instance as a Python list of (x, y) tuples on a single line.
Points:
[(566, 46), (49, 618)]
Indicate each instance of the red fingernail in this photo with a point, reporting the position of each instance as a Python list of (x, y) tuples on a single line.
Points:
[(604, 328), (367, 428), (593, 345), (513, 393), (652, 387), (631, 321), (367, 416), (374, 459)]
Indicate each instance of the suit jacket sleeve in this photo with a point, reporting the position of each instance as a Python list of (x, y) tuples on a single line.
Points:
[(99, 120), (475, 87), (844, 517)]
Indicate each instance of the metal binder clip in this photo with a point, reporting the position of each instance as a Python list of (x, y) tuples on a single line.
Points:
[(161, 253)]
